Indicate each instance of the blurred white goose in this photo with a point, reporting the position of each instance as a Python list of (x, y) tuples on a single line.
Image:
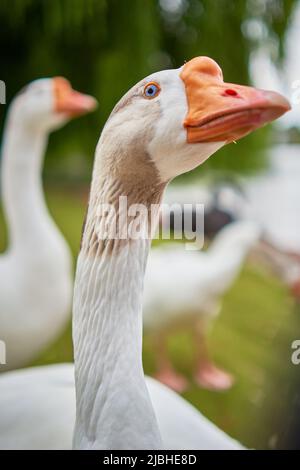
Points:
[(35, 271), (151, 136), (181, 283), (223, 203)]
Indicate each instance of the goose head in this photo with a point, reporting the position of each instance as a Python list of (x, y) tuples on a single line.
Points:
[(48, 103), (182, 116)]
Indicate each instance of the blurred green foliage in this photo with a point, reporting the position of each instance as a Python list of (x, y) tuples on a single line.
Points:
[(105, 46)]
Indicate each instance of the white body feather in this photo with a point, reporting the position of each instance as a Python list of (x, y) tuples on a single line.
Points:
[(38, 412)]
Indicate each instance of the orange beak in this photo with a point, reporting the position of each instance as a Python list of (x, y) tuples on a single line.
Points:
[(224, 112), (69, 101)]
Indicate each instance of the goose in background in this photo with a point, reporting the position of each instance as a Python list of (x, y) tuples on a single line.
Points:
[(35, 271), (275, 199), (284, 265), (157, 131), (181, 285), (223, 203), (275, 195), (261, 199)]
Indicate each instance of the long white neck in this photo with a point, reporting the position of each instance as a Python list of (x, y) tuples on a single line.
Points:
[(23, 199), (114, 410)]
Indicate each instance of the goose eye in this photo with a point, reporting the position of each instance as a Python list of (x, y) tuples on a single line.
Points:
[(151, 90)]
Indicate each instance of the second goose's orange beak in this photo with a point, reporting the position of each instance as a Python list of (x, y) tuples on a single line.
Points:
[(224, 112), (69, 101)]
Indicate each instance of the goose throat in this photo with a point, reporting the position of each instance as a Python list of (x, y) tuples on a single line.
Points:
[(113, 405)]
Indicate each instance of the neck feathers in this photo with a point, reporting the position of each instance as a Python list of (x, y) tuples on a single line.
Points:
[(113, 406), (121, 200)]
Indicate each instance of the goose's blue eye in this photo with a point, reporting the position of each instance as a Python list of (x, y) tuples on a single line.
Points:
[(151, 90)]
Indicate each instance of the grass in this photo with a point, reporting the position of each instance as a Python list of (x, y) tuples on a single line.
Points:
[(251, 338)]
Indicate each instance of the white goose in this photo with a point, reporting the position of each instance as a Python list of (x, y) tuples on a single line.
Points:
[(35, 271), (180, 284), (168, 123)]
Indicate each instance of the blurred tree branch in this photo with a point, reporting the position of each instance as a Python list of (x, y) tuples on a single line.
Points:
[(105, 46)]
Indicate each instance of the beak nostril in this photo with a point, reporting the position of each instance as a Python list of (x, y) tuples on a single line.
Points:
[(230, 92)]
